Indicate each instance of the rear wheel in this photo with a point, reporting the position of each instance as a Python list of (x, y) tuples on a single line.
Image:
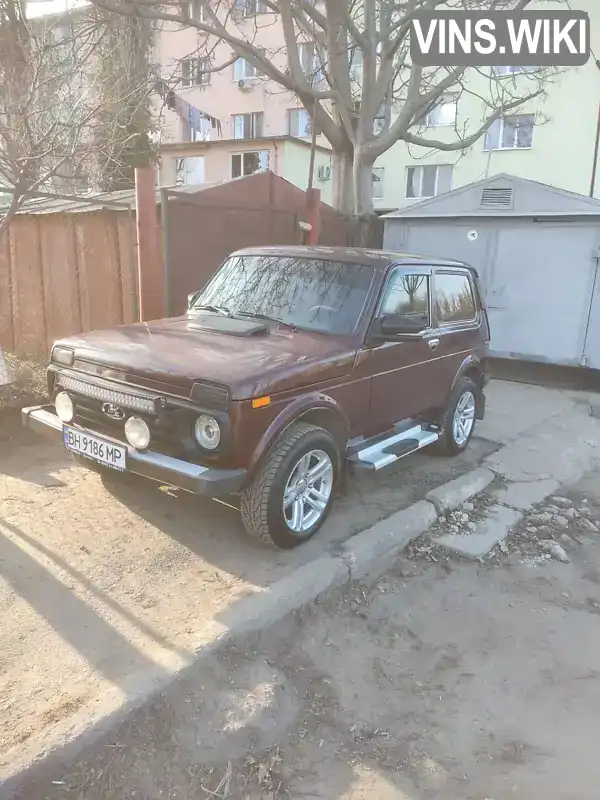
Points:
[(458, 422), (292, 494)]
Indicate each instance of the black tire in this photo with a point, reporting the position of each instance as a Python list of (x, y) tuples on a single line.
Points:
[(447, 444), (261, 504)]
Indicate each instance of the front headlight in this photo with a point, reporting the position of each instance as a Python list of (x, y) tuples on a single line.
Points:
[(207, 432), (137, 433), (63, 356), (63, 404)]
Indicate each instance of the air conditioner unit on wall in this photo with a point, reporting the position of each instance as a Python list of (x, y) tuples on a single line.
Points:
[(324, 173), (245, 85)]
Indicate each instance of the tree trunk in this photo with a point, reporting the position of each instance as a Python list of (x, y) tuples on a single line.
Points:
[(342, 181), (362, 184)]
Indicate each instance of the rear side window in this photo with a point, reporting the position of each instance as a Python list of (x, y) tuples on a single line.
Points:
[(407, 295), (454, 301)]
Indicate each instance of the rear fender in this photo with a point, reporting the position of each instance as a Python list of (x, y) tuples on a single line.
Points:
[(471, 367)]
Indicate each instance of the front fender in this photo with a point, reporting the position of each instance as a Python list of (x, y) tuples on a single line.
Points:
[(316, 402)]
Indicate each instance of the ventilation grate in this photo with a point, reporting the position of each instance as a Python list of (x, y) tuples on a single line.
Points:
[(496, 198)]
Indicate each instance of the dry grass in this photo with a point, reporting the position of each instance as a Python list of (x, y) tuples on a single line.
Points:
[(29, 382)]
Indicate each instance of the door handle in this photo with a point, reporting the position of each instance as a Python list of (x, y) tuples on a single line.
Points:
[(433, 343)]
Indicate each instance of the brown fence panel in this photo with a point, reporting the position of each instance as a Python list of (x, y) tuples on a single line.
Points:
[(99, 273), (128, 261), (27, 286), (201, 236), (59, 272), (7, 339)]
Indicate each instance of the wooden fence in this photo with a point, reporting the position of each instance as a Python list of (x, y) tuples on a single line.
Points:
[(63, 273)]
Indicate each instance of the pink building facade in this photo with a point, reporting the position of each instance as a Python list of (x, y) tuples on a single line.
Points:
[(238, 103)]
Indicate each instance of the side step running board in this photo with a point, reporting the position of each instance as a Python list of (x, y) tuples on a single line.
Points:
[(387, 451)]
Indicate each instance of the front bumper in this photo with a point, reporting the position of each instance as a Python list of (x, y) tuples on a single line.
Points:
[(156, 466)]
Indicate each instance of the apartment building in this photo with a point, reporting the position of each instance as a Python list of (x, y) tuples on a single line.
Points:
[(551, 140)]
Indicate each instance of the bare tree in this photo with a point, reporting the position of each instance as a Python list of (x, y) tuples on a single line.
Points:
[(123, 127), (53, 99), (348, 62)]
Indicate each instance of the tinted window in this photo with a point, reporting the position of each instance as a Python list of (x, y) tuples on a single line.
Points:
[(453, 298), (325, 296), (407, 295)]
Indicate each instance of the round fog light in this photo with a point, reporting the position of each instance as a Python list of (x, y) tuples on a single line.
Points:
[(137, 433), (207, 432), (63, 404)]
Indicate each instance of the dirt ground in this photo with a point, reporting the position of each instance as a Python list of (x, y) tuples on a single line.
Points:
[(440, 680), (106, 588)]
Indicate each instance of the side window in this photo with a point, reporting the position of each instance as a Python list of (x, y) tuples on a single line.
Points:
[(407, 295), (454, 301)]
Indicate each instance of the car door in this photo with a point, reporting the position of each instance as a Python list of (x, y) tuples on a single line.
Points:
[(457, 317), (404, 380)]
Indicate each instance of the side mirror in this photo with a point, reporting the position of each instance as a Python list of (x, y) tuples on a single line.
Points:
[(392, 325), (191, 299)]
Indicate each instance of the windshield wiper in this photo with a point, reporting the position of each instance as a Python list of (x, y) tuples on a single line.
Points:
[(215, 309), (267, 318)]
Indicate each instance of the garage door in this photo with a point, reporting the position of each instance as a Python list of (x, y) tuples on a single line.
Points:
[(592, 342), (537, 281), (540, 294)]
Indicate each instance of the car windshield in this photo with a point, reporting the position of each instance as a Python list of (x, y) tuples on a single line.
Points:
[(324, 296)]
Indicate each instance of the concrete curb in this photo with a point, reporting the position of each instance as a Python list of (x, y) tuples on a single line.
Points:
[(368, 552), (453, 494), (491, 530)]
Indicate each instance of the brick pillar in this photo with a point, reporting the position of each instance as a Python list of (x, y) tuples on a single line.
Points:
[(313, 214), (151, 279)]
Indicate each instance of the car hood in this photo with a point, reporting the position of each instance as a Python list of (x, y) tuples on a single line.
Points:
[(177, 353)]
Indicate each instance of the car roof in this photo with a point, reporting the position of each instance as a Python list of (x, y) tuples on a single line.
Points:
[(378, 259)]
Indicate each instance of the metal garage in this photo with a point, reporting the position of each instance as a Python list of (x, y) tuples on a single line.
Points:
[(536, 249)]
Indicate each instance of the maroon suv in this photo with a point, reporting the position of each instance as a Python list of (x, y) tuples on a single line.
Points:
[(290, 366)]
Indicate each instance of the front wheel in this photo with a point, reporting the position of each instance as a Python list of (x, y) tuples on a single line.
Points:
[(292, 494), (458, 422)]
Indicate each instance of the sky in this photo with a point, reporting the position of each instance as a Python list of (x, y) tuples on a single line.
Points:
[(36, 8)]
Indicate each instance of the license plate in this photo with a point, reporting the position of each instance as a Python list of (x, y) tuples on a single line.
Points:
[(97, 449)]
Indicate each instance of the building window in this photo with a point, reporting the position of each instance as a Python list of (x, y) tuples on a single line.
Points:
[(407, 295), (195, 10), (299, 123), (429, 180), (510, 133), (249, 8), (190, 170), (249, 163), (247, 126), (503, 72), (378, 173), (311, 63), (381, 121), (454, 298), (355, 56), (242, 70), (193, 72), (444, 111)]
